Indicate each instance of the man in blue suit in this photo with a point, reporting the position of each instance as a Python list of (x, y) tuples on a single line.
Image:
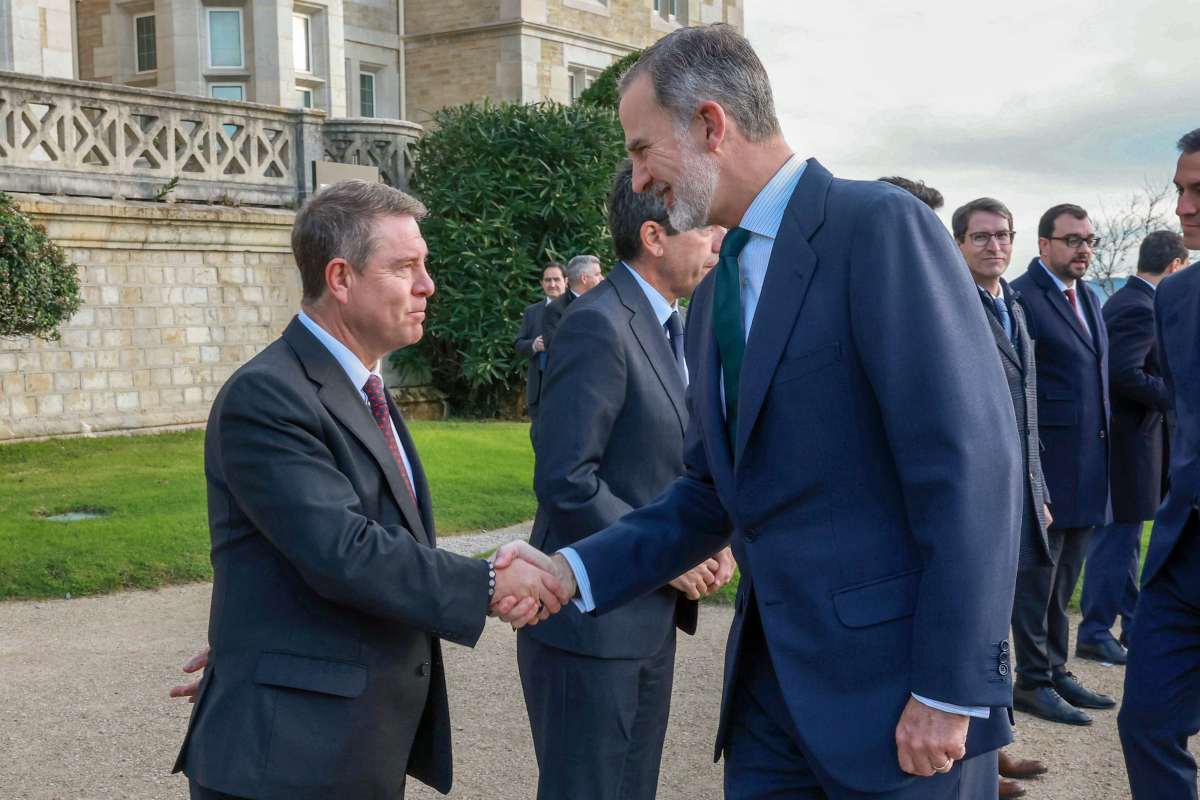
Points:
[(1161, 708), (1072, 375), (851, 429), (1137, 468)]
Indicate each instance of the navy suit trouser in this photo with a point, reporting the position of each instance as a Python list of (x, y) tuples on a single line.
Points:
[(1161, 708), (764, 759), (598, 724), (1110, 581)]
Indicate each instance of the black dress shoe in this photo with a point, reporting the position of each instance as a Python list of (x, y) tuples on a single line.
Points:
[(1075, 693), (1107, 651), (1044, 702)]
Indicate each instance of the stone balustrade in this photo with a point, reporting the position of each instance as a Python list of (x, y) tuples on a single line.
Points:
[(65, 137)]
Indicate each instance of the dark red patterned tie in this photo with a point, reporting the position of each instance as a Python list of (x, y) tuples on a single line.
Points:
[(379, 410)]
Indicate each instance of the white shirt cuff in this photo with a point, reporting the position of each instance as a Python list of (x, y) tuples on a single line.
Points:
[(980, 712), (584, 602)]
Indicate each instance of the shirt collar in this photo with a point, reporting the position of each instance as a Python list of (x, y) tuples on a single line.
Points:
[(1062, 287), (989, 295), (765, 213), (662, 309), (350, 363)]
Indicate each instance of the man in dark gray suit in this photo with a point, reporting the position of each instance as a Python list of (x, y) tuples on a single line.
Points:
[(598, 690), (583, 274), (529, 342), (325, 674), (983, 229)]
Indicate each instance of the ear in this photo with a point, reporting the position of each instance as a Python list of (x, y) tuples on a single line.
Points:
[(713, 124), (652, 235), (339, 280)]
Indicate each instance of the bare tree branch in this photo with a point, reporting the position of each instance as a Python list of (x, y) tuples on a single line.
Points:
[(1122, 231)]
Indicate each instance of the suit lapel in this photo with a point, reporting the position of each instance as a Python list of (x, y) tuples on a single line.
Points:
[(347, 406), (652, 338), (707, 388), (420, 482), (1002, 341), (1058, 301), (789, 274)]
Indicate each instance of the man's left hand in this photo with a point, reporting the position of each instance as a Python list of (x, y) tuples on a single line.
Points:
[(196, 663), (929, 741)]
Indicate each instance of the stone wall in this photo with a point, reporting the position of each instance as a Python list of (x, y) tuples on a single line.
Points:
[(175, 299)]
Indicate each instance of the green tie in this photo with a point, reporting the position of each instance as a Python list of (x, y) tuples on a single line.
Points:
[(727, 323)]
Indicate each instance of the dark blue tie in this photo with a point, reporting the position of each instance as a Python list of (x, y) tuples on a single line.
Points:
[(674, 327), (1005, 317)]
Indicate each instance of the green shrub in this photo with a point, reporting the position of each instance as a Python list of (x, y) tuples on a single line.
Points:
[(39, 288), (508, 187), (603, 91)]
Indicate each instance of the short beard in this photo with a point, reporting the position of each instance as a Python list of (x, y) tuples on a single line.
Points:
[(695, 189)]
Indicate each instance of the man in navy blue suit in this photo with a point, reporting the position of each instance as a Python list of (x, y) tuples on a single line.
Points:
[(1137, 467), (1161, 708), (1072, 357), (851, 430)]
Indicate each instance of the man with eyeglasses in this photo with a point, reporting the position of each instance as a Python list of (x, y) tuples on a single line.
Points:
[(1072, 408), (983, 229)]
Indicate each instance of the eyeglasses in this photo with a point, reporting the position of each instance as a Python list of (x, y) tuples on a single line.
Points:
[(1074, 241), (981, 238)]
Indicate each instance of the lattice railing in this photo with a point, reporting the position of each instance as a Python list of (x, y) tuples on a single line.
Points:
[(383, 143), (103, 140)]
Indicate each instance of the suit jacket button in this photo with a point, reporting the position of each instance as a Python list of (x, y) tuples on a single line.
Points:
[(423, 670), (1002, 669), (1004, 646), (1101, 434)]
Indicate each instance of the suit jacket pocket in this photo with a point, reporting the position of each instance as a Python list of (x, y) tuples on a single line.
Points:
[(1053, 412), (880, 600), (810, 361), (338, 678)]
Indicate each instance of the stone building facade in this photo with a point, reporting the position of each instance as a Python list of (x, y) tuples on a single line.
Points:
[(176, 297), (373, 58)]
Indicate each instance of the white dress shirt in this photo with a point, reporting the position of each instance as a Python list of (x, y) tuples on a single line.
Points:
[(1062, 287), (358, 374)]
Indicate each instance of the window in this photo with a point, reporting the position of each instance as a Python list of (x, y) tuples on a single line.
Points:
[(146, 44), (579, 79), (674, 7), (225, 37), (366, 94), (302, 43), (305, 97), (656, 5), (228, 91)]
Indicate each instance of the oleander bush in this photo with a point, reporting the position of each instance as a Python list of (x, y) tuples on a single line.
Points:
[(603, 91), (508, 187), (39, 287)]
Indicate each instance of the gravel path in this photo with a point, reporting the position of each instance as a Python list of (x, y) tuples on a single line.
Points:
[(84, 711)]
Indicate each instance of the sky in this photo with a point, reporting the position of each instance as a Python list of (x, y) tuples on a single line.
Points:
[(1033, 103)]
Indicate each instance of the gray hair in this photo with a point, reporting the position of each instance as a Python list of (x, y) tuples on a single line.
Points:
[(709, 62), (339, 222), (578, 266)]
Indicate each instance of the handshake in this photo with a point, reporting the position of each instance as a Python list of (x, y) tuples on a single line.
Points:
[(530, 585)]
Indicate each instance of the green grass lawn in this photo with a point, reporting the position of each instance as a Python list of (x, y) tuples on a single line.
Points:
[(152, 488)]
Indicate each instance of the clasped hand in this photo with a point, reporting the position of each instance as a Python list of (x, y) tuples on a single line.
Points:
[(530, 586), (707, 576)]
